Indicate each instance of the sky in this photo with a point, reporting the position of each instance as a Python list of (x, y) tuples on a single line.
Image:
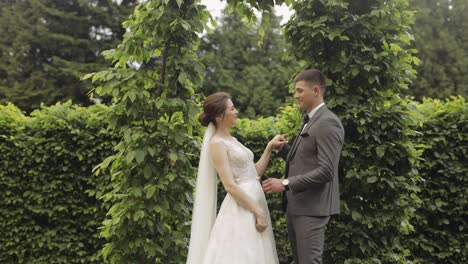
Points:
[(215, 7)]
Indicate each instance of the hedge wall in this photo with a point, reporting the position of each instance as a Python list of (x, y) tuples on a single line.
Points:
[(440, 222), (441, 231), (47, 213)]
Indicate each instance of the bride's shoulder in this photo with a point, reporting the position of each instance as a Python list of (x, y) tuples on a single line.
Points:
[(217, 141)]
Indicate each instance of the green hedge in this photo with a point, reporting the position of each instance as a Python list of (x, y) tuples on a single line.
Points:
[(369, 220), (363, 49), (439, 224), (48, 213), (441, 231)]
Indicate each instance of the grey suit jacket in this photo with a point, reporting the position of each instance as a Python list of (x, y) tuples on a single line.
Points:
[(312, 166)]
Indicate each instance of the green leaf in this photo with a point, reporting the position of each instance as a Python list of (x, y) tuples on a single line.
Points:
[(132, 96), (173, 157), (372, 179), (380, 151), (130, 156), (171, 176), (150, 191), (106, 162), (355, 215), (140, 155), (182, 77), (147, 171), (87, 76), (159, 103), (138, 215)]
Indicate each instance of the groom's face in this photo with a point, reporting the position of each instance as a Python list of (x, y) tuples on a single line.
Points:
[(306, 95)]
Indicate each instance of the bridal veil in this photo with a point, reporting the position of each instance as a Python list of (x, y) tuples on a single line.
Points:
[(204, 206)]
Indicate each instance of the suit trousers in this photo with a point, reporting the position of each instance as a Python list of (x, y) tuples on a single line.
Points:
[(307, 237)]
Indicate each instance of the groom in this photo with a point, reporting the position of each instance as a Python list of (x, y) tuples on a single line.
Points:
[(310, 187)]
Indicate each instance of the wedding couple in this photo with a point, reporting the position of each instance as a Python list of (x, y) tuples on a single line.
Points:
[(242, 233)]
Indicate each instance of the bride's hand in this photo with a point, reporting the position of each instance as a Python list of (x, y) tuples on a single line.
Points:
[(261, 222), (278, 141)]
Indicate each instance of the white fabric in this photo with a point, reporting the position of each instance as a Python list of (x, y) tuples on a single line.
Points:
[(234, 238), (204, 206)]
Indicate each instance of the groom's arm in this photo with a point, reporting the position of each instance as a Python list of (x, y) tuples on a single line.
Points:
[(329, 140)]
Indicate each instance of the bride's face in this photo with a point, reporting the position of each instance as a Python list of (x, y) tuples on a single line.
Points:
[(230, 114)]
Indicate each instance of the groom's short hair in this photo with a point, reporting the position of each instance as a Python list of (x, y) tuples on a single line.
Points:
[(312, 76)]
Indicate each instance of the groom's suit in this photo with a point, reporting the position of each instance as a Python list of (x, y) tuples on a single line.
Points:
[(312, 169)]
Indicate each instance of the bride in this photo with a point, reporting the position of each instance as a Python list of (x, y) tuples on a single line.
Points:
[(242, 231)]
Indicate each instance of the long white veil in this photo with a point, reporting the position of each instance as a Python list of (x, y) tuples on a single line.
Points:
[(204, 206)]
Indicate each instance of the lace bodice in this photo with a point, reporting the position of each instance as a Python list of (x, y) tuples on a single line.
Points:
[(234, 238), (241, 160)]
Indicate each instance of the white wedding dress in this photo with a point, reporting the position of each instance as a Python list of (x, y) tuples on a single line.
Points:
[(234, 238)]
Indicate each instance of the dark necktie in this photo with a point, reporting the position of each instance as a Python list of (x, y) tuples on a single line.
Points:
[(305, 120)]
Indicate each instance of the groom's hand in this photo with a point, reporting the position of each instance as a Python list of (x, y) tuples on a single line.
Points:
[(273, 185)]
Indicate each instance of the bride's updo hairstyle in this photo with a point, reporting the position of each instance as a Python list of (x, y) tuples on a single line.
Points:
[(214, 105)]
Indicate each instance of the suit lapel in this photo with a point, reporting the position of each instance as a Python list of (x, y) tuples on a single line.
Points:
[(304, 133), (294, 145)]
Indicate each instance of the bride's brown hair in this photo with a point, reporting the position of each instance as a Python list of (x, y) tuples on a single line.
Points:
[(214, 105)]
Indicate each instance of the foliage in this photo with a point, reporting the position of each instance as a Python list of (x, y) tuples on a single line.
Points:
[(440, 230), (440, 37), (254, 74), (439, 223), (46, 214), (47, 45), (146, 183), (49, 214), (362, 48), (152, 82)]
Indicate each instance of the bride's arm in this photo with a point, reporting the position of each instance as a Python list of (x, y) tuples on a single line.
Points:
[(262, 163), (221, 164)]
